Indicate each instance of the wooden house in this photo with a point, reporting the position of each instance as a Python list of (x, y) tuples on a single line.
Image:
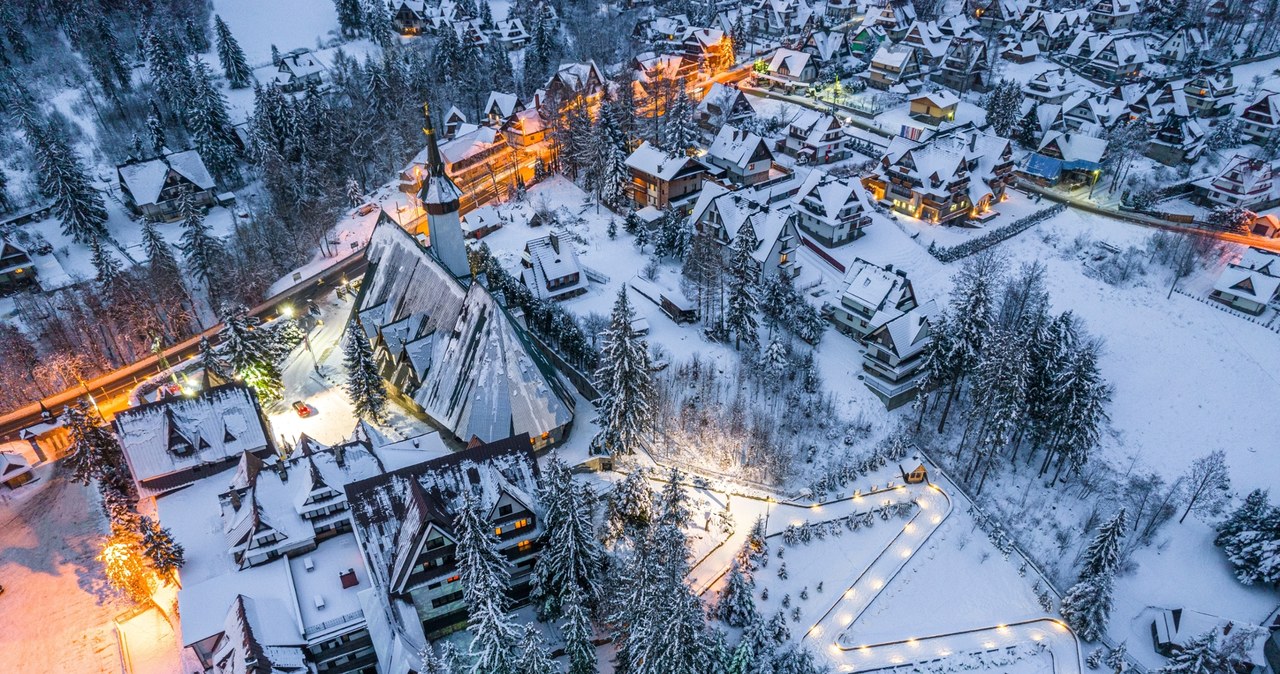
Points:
[(660, 179), (152, 187), (16, 269)]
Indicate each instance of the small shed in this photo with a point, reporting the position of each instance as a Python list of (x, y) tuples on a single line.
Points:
[(917, 475), (15, 470), (935, 107)]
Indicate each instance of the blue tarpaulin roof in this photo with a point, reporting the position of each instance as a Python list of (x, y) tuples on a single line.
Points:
[(1042, 166)]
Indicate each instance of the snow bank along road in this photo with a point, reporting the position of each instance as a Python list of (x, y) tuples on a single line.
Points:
[(830, 633)]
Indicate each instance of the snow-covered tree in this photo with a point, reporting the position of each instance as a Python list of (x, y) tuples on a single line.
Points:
[(203, 251), (166, 554), (431, 662), (1255, 510), (485, 575), (774, 362), (572, 557), (679, 128), (377, 22), (209, 123), (625, 380), (1000, 387), (159, 255), (110, 274), (63, 179), (578, 633), (1102, 557), (1226, 135), (629, 509), (231, 56), (1251, 539), (1206, 485), (1004, 108), (350, 16), (95, 454), (125, 567), (1200, 655), (970, 320), (249, 352), (1079, 397), (365, 386), (744, 278), (1087, 606), (1116, 659), (737, 603), (532, 656), (672, 503)]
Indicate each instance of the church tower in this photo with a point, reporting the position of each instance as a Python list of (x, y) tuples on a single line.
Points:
[(439, 197)]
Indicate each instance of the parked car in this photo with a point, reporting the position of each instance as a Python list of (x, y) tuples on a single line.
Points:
[(303, 409), (367, 208)]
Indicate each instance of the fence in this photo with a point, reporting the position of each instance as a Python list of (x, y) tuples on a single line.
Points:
[(1270, 324)]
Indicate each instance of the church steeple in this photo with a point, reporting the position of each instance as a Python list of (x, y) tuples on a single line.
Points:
[(440, 198)]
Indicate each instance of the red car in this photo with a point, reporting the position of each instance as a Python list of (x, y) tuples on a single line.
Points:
[(302, 409)]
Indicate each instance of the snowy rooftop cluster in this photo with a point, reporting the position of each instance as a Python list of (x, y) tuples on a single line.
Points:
[(474, 371)]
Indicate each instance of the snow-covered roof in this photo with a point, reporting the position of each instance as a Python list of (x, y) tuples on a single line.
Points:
[(736, 147), (392, 512), (812, 125), (1089, 45), (826, 44), (551, 258), (882, 292), (485, 217), (1265, 261), (484, 380), (502, 104), (789, 62), (653, 160), (828, 198), (908, 333), (940, 99), (12, 466), (1248, 284), (165, 442), (1076, 146), (891, 56), (769, 221), (146, 179)]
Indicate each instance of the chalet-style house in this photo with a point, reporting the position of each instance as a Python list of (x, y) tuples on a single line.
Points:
[(816, 138), (297, 70), (725, 212), (449, 349), (741, 157), (723, 105), (706, 51), (1243, 181), (1020, 51), (1106, 57), (1051, 86), (660, 179), (894, 17), (780, 18), (511, 33), (1266, 226), (1177, 139), (1175, 628), (1211, 93), (405, 523), (947, 179), (790, 70), (152, 188), (1073, 157), (866, 40), (274, 574), (1108, 15), (895, 351), (550, 268), (1261, 120), (832, 210), (997, 13), (1252, 284), (927, 40), (838, 11), (15, 470), (173, 442), (872, 296), (16, 269), (826, 46), (1093, 113), (662, 31), (892, 66), (407, 17), (571, 81), (934, 107), (1053, 31), (1181, 46), (482, 222), (965, 65)]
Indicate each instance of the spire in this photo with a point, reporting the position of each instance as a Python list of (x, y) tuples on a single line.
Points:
[(438, 194), (435, 165)]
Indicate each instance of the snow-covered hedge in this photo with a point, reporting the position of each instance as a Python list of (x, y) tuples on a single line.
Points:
[(803, 533), (852, 468), (991, 238)]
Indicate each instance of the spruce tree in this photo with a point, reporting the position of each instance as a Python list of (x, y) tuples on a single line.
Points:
[(572, 558), (159, 255), (210, 125), (532, 656), (378, 23), (1102, 557), (249, 353), (212, 362), (63, 179), (166, 554), (744, 277), (110, 275), (497, 65), (95, 454), (365, 385), (485, 578), (681, 132), (1251, 539), (203, 251), (737, 604), (155, 130), (672, 502), (1252, 513), (578, 633), (1116, 659), (629, 509), (6, 202), (231, 56), (1087, 606), (625, 380), (1199, 656), (350, 16), (196, 37), (1081, 396)]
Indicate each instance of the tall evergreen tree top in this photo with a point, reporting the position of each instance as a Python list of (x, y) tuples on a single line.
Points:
[(1103, 554), (1255, 509)]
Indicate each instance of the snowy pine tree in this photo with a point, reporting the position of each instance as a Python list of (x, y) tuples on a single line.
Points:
[(776, 294), (629, 509), (737, 604), (532, 656), (572, 558), (110, 275), (1116, 659), (1199, 656), (1102, 557), (377, 22), (249, 353), (1251, 539), (166, 554), (1004, 108), (485, 576), (1087, 606), (159, 255), (1255, 510), (350, 16), (578, 633), (365, 385), (744, 277), (1080, 396), (672, 502), (63, 179), (202, 250), (231, 56), (680, 131), (625, 380), (95, 454), (210, 125)]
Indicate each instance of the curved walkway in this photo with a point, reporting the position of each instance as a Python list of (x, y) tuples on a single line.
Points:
[(1055, 636)]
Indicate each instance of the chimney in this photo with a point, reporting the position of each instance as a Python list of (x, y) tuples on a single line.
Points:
[(340, 455), (282, 467), (235, 499)]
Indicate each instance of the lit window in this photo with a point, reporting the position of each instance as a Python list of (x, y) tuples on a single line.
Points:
[(497, 531), (520, 524), (523, 546)]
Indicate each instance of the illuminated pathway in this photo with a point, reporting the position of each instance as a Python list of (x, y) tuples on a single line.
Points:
[(1051, 633)]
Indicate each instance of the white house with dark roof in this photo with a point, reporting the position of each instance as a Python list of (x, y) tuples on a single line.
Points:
[(832, 210), (448, 348), (790, 69), (1260, 121), (152, 187), (723, 105), (895, 351), (15, 470), (872, 296), (816, 137), (1251, 284), (740, 156), (173, 442), (550, 268), (1242, 181), (724, 212)]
